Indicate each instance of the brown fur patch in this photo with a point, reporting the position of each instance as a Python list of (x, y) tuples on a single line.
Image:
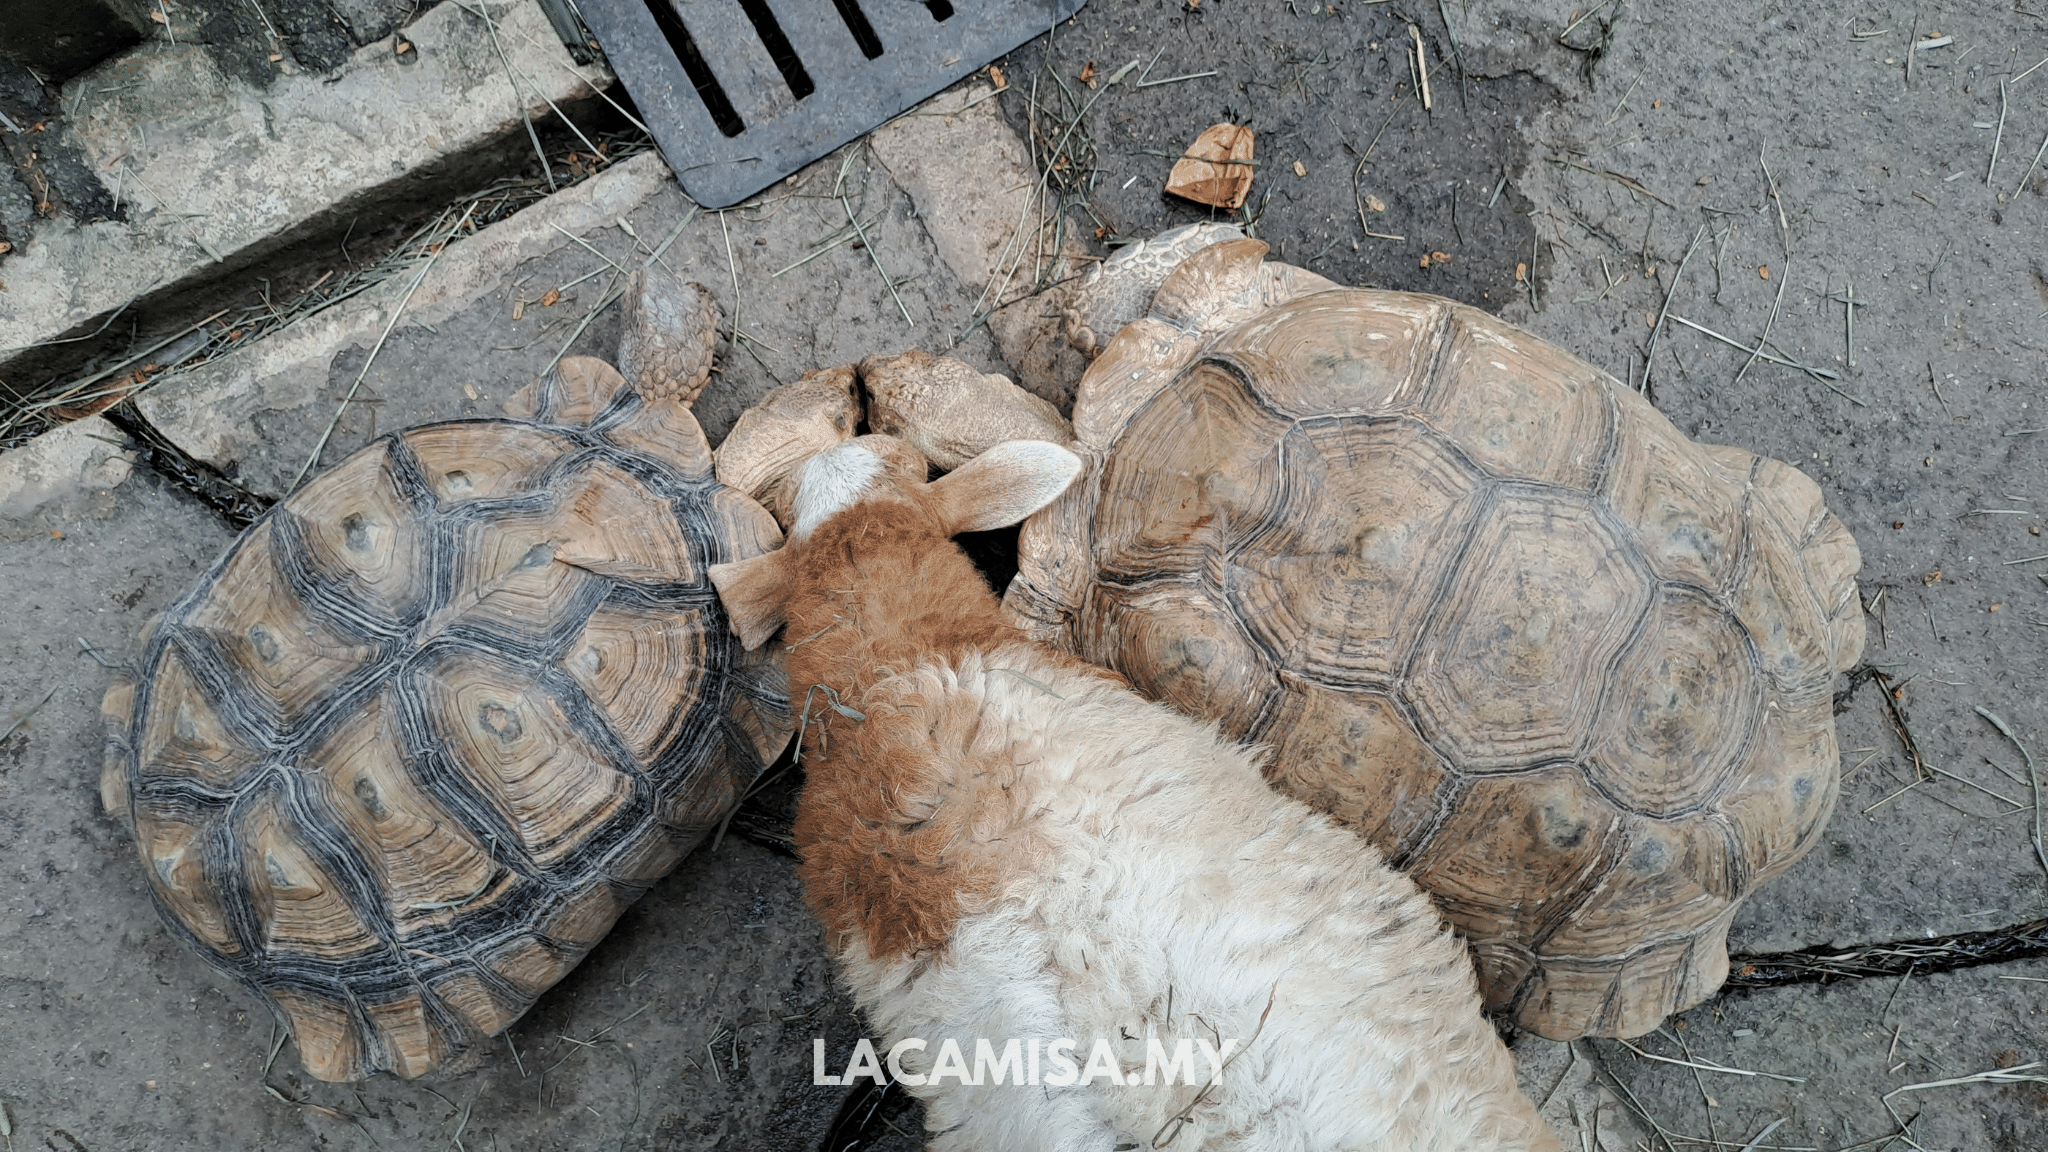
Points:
[(883, 588)]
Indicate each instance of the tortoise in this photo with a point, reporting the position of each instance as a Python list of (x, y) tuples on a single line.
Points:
[(1569, 669), (409, 748)]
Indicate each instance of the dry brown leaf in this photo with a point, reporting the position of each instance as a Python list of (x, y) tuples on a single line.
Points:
[(549, 298), (1521, 272), (1764, 270), (1088, 73), (995, 77), (1216, 169)]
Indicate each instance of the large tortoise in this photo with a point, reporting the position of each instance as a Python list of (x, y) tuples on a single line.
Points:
[(406, 751), (1569, 669)]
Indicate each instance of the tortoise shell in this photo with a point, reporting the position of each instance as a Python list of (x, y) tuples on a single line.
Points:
[(405, 752), (1567, 668)]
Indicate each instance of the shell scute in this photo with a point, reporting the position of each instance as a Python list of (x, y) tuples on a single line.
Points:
[(1787, 625), (1510, 671), (469, 461), (1517, 853), (1681, 710), (1199, 463), (258, 617), (1685, 509), (175, 857), (642, 668), (1669, 880), (1325, 355), (185, 734), (509, 585), (425, 864), (1355, 757), (529, 965), (1177, 645), (1336, 576), (1517, 408), (467, 995), (606, 521), (514, 742), (405, 1030), (1782, 796), (330, 1040), (362, 533), (300, 905), (583, 919)]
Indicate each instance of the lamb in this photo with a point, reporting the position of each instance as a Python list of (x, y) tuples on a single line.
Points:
[(1006, 844)]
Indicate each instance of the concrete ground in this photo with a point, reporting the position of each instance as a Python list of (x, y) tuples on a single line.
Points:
[(1565, 182)]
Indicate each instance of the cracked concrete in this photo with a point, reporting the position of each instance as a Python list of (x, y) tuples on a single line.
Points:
[(212, 172)]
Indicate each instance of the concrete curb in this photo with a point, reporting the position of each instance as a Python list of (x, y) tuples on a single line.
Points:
[(214, 174), (212, 412)]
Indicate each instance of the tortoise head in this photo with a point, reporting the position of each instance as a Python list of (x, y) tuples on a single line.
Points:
[(997, 488), (671, 328), (664, 356), (1120, 289)]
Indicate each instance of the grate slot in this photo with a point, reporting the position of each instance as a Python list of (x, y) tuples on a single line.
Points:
[(779, 49), (751, 90), (857, 23), (680, 42)]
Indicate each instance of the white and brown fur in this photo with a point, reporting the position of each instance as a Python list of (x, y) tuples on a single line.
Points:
[(1012, 843)]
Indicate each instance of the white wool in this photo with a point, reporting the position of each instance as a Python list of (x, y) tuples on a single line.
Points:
[(1153, 885)]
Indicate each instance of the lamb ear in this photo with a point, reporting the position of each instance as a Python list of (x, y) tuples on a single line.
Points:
[(756, 594), (1004, 485)]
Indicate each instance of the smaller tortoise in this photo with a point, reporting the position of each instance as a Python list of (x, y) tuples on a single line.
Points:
[(406, 751), (1567, 668)]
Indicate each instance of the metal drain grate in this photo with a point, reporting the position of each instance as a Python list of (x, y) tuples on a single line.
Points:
[(740, 93)]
